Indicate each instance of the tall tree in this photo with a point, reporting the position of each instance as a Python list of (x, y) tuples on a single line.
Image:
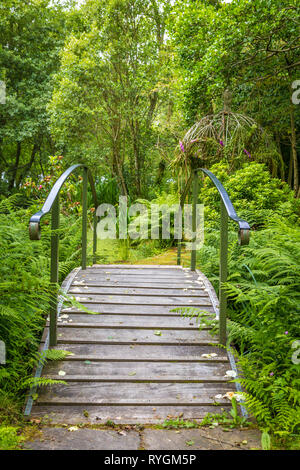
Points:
[(252, 48), (31, 35), (106, 91)]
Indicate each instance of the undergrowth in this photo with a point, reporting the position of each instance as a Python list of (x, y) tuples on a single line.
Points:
[(263, 291), (24, 287)]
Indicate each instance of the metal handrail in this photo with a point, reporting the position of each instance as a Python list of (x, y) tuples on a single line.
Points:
[(52, 204), (227, 210), (244, 227)]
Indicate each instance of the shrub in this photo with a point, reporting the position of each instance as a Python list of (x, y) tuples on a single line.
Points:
[(255, 195), (9, 439)]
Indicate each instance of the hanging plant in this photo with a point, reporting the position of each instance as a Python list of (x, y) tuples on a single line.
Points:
[(234, 137)]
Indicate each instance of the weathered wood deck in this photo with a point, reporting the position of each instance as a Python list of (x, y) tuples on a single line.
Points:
[(136, 362)]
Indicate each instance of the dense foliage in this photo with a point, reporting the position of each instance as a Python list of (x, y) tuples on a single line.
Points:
[(143, 91), (263, 292), (25, 287)]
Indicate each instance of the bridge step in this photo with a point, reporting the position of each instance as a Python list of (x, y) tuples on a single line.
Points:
[(137, 360), (142, 309), (138, 394), (141, 352), (139, 371), (122, 414), (156, 322), (114, 335)]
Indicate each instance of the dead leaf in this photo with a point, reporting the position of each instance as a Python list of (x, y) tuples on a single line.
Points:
[(73, 428)]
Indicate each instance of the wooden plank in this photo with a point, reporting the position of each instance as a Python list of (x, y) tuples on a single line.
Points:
[(139, 394), (66, 324), (139, 283), (131, 336), (140, 271), (119, 309), (148, 321), (138, 300), (99, 414), (88, 276), (137, 352), (143, 379), (204, 371), (134, 278), (138, 266), (135, 291)]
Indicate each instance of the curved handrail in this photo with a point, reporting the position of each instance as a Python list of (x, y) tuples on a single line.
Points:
[(34, 223), (52, 204), (227, 210), (244, 227)]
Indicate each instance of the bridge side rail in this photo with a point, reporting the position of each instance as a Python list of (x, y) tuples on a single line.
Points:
[(227, 210), (52, 205)]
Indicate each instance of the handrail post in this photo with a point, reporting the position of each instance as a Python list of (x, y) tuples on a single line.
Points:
[(194, 222), (54, 271), (95, 237), (84, 219), (179, 243), (223, 273)]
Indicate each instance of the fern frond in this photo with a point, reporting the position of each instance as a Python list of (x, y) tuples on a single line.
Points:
[(54, 354)]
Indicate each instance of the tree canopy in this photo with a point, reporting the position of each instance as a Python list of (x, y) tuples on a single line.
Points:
[(118, 83)]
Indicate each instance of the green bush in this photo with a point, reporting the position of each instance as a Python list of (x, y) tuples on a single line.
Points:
[(9, 439), (255, 195)]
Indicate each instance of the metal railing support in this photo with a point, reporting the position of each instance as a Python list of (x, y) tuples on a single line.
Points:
[(84, 220), (179, 252), (223, 273), (54, 270), (182, 200), (194, 221), (95, 237)]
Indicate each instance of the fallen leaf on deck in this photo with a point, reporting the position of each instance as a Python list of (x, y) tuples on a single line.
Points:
[(73, 428)]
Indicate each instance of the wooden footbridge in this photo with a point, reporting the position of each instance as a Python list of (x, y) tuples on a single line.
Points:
[(134, 359)]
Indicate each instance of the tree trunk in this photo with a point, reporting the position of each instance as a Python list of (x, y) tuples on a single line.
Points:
[(15, 168), (28, 165), (290, 175), (281, 170), (294, 149), (134, 127), (118, 170)]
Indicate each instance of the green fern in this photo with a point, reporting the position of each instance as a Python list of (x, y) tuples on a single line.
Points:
[(34, 382), (202, 317), (54, 354)]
